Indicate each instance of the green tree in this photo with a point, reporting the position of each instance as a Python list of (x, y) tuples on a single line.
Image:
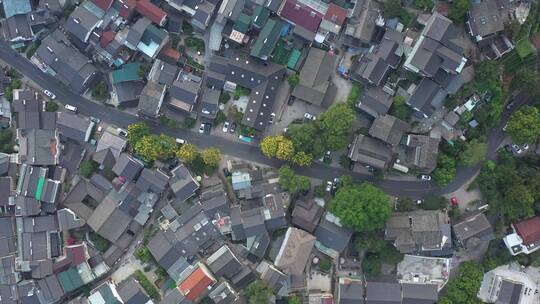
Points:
[(474, 152), (224, 97), (258, 292), (187, 153), (524, 125), (371, 264), (136, 132), (519, 203), (425, 5), (445, 171), (51, 106), (100, 91), (458, 10), (526, 79), (433, 202), (302, 159), (336, 126), (353, 95), (395, 8), (294, 80), (370, 242), (211, 157), (464, 287), (152, 147), (294, 300), (305, 137), (87, 167), (293, 183), (399, 109), (277, 146), (361, 207), (406, 204), (187, 28)]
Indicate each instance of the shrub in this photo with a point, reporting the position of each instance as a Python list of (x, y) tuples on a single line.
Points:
[(147, 285)]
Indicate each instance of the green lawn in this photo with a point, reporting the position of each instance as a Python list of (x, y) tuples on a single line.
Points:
[(281, 54), (524, 48)]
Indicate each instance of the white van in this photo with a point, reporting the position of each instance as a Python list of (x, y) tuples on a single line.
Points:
[(180, 141), (71, 108)]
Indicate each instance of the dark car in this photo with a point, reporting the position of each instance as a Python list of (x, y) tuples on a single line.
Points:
[(291, 100), (232, 128), (207, 128), (510, 105)]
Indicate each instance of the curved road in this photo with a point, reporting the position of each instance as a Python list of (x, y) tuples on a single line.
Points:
[(413, 189)]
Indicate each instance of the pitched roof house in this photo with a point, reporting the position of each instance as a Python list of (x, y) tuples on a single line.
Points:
[(39, 147), (210, 103), (183, 95), (388, 129), (370, 151), (331, 235), (127, 167), (421, 151), (427, 97), (470, 230), (315, 77), (374, 101), (151, 99), (294, 255), (380, 292), (74, 127), (423, 231), (57, 57), (151, 11), (525, 237), (83, 21), (363, 23), (419, 293), (21, 28), (350, 291), (182, 183), (197, 283), (485, 19), (262, 80), (305, 19), (334, 19), (266, 41), (306, 215)]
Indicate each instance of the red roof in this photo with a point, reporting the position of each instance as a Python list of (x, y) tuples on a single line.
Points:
[(106, 38), (335, 14), (78, 254), (150, 11), (301, 15), (529, 230), (103, 4), (196, 283), (171, 54), (126, 8)]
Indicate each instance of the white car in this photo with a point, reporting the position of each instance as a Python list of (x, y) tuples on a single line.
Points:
[(71, 108), (516, 148), (329, 186), (525, 146), (225, 128), (201, 128), (122, 132), (180, 141), (425, 177), (50, 94), (505, 127), (310, 116)]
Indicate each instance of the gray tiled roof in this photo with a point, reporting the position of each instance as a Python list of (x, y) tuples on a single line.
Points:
[(81, 22), (375, 101), (351, 292), (420, 293), (388, 129), (73, 126), (182, 183), (370, 151), (383, 293), (152, 180), (427, 97), (315, 76), (128, 167), (332, 235), (151, 99)]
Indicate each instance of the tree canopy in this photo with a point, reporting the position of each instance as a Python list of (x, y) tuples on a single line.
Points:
[(305, 137), (211, 157), (136, 132), (474, 152), (361, 207), (187, 153), (336, 126), (258, 292), (293, 183), (277, 146), (458, 10), (464, 287), (152, 147), (524, 125), (445, 171)]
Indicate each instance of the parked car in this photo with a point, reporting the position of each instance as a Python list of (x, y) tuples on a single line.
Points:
[(272, 117), (232, 129), (180, 141), (516, 148), (50, 94), (310, 116), (335, 183), (122, 132), (95, 119), (454, 201), (525, 146), (425, 177), (329, 186), (71, 108), (201, 128), (419, 202), (508, 148), (370, 168), (505, 127), (225, 128), (291, 100), (510, 105), (207, 128)]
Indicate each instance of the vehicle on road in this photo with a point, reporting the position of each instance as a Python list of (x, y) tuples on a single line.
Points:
[(336, 182), (232, 129), (510, 105), (71, 108), (180, 141), (329, 186), (95, 119), (122, 132), (505, 127), (245, 138), (310, 116), (425, 177), (201, 128), (50, 94), (419, 202), (370, 168), (291, 100), (225, 128), (454, 201), (516, 148), (525, 146), (272, 117)]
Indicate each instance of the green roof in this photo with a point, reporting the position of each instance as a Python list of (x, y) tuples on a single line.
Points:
[(128, 72), (260, 16), (293, 59), (39, 188), (70, 280), (242, 23), (266, 42), (152, 33)]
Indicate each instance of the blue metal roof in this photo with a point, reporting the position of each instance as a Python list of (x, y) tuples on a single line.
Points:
[(16, 7)]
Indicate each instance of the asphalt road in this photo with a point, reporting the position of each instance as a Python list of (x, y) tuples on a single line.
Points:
[(412, 189)]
